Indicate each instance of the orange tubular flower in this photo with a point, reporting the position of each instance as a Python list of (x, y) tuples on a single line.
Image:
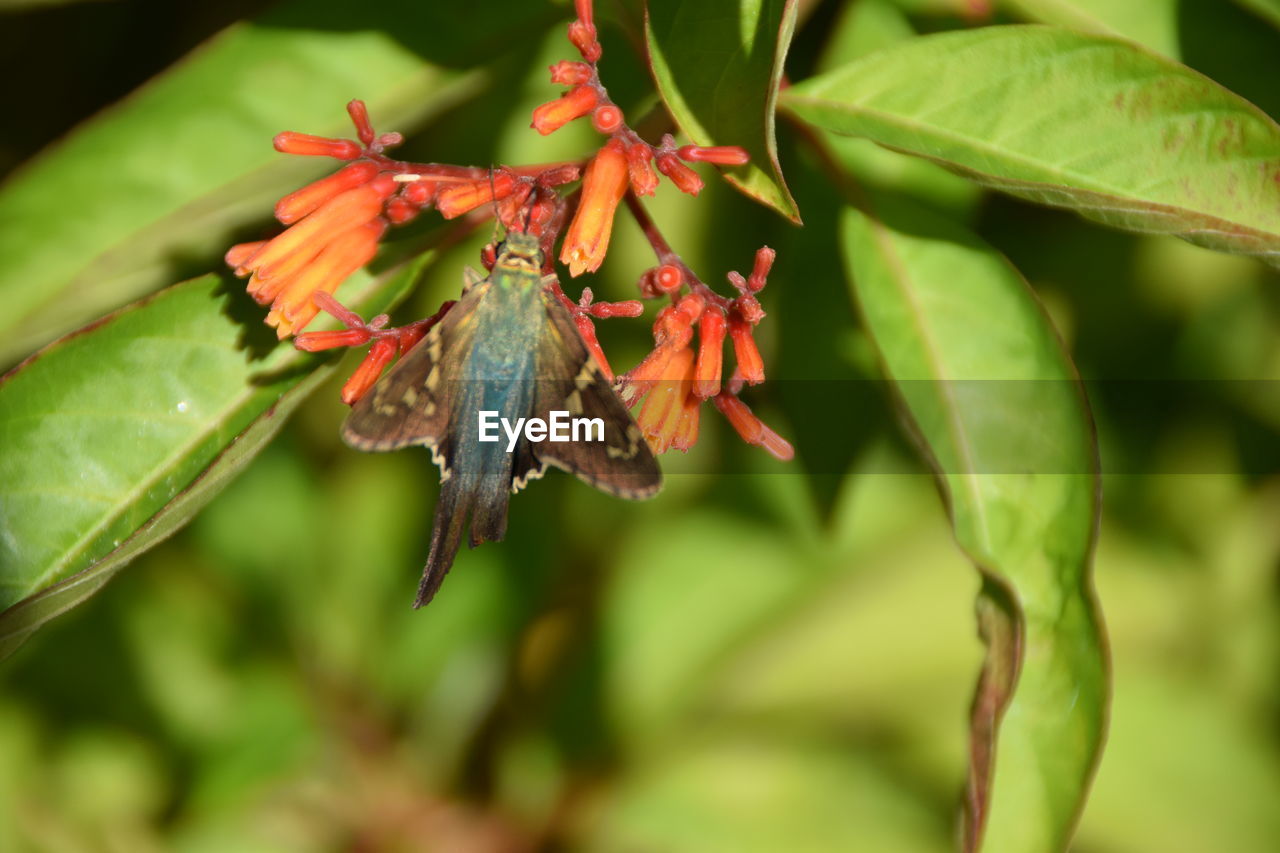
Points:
[(751, 429), (293, 308), (603, 187), (554, 115), (337, 231), (711, 331), (750, 364), (380, 355), (669, 416), (457, 199), (298, 204)]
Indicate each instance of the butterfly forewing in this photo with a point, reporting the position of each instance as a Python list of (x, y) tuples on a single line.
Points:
[(410, 405), (569, 379)]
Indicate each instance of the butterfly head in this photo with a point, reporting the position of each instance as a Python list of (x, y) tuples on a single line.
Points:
[(520, 252)]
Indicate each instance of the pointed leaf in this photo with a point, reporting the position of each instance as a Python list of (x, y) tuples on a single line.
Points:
[(1153, 23), (1089, 123), (998, 409), (718, 65), (1269, 9), (99, 219), (114, 436)]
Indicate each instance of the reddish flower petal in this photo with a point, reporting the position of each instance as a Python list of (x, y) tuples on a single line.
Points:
[(554, 115), (750, 364), (588, 331), (298, 204), (294, 307), (336, 216), (659, 418), (366, 375), (721, 155), (456, 199), (640, 164), (680, 174), (752, 429), (711, 331), (316, 146), (317, 341), (603, 187)]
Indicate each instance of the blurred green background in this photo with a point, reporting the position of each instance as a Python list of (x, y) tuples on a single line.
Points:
[(771, 657)]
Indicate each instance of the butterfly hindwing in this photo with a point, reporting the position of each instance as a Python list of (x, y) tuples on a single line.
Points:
[(569, 379), (411, 404)]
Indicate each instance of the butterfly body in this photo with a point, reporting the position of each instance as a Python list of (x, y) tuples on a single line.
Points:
[(511, 349)]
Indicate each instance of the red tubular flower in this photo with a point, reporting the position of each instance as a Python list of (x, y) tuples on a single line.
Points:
[(752, 429), (316, 146), (338, 215), (298, 204), (711, 331), (318, 341), (294, 308), (457, 199), (666, 414), (366, 375), (603, 186), (588, 331), (680, 174), (745, 351), (554, 115), (760, 271), (720, 155)]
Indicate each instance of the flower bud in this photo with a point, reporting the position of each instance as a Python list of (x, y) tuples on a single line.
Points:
[(680, 174), (554, 115), (566, 73), (640, 166), (720, 155), (316, 146), (606, 118), (360, 118)]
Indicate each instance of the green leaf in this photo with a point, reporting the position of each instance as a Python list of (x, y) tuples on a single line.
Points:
[(1078, 121), (1153, 23), (117, 434), (112, 211), (998, 409), (718, 65), (1269, 9)]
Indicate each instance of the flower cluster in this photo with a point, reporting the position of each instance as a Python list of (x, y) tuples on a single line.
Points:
[(335, 224), (672, 381)]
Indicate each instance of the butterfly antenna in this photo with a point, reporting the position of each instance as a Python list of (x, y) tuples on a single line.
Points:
[(493, 195)]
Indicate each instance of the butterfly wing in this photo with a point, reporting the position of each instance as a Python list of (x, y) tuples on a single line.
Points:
[(569, 379), (411, 404)]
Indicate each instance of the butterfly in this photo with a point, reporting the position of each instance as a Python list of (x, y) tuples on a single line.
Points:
[(509, 349)]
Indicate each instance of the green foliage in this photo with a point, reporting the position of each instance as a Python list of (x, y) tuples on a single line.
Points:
[(768, 656)]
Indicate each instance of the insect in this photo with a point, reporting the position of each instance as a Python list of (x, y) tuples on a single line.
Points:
[(509, 349)]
